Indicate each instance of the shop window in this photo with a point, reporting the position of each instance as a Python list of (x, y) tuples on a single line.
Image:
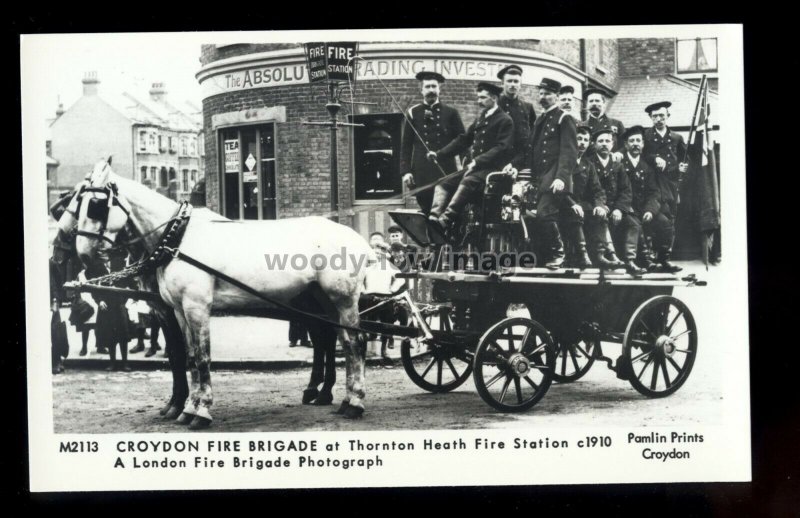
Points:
[(163, 180), (376, 156), (248, 172), (185, 180), (194, 177), (144, 173), (697, 55)]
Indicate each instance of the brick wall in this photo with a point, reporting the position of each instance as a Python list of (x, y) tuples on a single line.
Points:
[(303, 159), (211, 52), (646, 56), (568, 50), (602, 61), (303, 152)]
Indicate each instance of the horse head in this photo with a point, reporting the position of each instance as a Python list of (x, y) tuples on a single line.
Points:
[(96, 214)]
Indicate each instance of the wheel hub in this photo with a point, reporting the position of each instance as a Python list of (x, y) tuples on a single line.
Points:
[(519, 365), (666, 344)]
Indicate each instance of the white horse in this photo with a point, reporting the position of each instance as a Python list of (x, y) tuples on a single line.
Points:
[(280, 259)]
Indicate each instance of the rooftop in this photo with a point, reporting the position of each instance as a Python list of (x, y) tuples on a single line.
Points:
[(635, 93)]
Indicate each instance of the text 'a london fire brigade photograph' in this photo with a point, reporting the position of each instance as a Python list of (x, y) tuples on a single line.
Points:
[(299, 259)]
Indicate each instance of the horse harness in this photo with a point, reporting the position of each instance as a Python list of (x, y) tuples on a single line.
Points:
[(168, 249), (98, 209), (162, 254)]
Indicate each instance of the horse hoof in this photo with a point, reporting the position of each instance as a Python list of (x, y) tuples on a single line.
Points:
[(324, 398), (343, 407), (199, 423), (309, 395), (172, 413), (184, 418), (166, 408), (353, 412)]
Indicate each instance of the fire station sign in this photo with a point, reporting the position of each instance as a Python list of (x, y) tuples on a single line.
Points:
[(331, 61)]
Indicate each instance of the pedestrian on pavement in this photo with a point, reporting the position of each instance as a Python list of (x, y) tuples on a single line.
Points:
[(59, 345), (112, 317), (83, 315), (144, 321)]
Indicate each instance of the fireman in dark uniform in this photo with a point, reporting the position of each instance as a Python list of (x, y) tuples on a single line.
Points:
[(553, 159), (521, 112), (627, 225), (597, 118), (566, 101), (587, 200), (437, 124), (618, 193), (489, 140), (663, 149)]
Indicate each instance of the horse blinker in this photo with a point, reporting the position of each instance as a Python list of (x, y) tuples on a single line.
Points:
[(97, 209)]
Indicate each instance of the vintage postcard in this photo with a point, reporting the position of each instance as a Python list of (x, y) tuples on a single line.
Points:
[(382, 258)]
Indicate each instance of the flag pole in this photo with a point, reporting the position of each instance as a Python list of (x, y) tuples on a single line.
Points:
[(693, 129)]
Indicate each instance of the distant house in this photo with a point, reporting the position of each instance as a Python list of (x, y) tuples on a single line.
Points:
[(152, 140)]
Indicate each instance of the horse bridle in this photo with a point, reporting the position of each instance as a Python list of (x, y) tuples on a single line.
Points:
[(98, 209)]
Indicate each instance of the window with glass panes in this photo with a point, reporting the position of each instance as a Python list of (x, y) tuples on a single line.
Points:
[(697, 55), (248, 170)]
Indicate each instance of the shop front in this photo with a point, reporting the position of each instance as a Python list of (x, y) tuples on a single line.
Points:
[(264, 162)]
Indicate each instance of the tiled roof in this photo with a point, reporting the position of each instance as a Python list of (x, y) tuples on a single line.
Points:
[(162, 114), (635, 93)]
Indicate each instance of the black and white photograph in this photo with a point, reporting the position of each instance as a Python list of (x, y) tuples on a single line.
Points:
[(298, 259)]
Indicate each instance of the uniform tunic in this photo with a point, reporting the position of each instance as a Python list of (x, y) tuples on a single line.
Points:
[(604, 121), (440, 125), (655, 193), (489, 141), (616, 184), (628, 231), (643, 184), (671, 148), (524, 117), (554, 153), (586, 192)]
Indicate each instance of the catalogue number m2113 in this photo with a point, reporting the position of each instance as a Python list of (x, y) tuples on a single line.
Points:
[(78, 447)]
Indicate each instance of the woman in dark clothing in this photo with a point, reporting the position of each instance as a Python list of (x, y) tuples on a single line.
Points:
[(112, 317)]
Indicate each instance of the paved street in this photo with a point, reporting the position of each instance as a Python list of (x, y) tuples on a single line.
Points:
[(90, 400)]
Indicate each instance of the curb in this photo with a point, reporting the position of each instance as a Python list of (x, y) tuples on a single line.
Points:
[(235, 365)]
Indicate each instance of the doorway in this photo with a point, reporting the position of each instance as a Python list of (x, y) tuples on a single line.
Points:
[(248, 170)]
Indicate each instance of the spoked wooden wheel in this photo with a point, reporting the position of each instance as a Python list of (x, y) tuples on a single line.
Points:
[(440, 366), (660, 346), (513, 365), (574, 360)]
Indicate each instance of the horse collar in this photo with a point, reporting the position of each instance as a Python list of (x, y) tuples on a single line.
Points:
[(171, 237)]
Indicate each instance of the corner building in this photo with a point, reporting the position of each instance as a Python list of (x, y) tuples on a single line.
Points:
[(262, 162)]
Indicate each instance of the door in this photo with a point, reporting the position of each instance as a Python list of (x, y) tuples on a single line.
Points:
[(247, 162)]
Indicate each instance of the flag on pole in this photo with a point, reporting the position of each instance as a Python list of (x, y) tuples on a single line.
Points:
[(702, 152)]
